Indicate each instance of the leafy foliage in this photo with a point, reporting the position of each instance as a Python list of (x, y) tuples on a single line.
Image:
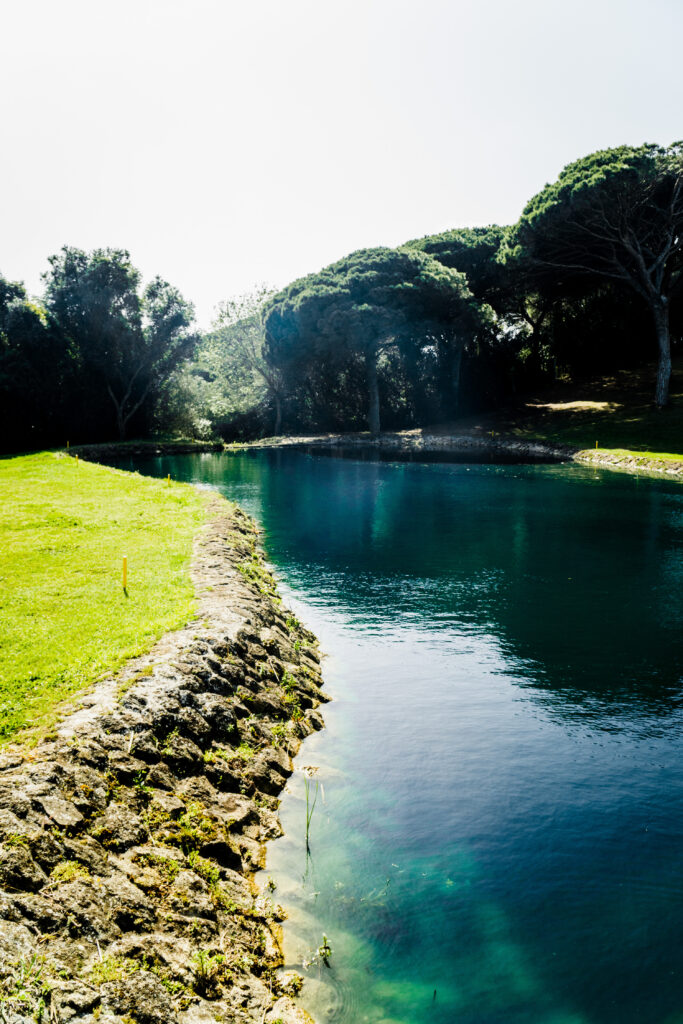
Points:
[(353, 312), (126, 344), (616, 214), (588, 280)]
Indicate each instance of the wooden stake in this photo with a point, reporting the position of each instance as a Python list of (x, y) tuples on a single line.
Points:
[(125, 572)]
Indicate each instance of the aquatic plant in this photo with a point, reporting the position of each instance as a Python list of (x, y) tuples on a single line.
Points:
[(321, 955), (311, 798)]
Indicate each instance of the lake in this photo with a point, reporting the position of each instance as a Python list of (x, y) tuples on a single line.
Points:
[(498, 829)]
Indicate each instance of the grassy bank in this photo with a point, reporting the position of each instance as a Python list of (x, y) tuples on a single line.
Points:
[(615, 411), (64, 617)]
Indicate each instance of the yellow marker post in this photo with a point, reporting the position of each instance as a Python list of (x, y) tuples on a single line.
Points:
[(77, 460), (125, 572), (67, 445), (168, 480), (596, 444)]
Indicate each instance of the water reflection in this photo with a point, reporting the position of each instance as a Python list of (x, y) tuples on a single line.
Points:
[(579, 580)]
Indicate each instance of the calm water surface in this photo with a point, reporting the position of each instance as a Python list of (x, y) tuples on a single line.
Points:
[(499, 831)]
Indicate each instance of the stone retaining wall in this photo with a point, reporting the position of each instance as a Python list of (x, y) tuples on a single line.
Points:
[(128, 840)]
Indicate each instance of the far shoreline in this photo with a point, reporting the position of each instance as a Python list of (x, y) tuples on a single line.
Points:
[(409, 445)]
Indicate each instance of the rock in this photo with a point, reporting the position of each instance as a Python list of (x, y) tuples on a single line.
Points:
[(218, 711), (265, 778), (89, 795), (119, 827), (161, 778), (15, 942), (14, 799), (236, 889), (11, 825), (168, 803), (286, 1012), (72, 1000), (130, 907), (223, 852), (18, 870), (194, 726), (168, 951), (87, 909), (88, 852), (291, 983), (140, 996), (181, 754), (61, 811), (126, 768), (145, 747), (190, 897), (46, 849), (40, 912), (253, 853)]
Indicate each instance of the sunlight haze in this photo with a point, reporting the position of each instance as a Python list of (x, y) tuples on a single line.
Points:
[(226, 144)]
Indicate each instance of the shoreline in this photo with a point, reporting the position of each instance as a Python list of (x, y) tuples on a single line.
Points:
[(130, 837), (418, 444), (414, 445)]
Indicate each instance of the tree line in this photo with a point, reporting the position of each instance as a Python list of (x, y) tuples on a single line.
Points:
[(587, 281), (90, 358)]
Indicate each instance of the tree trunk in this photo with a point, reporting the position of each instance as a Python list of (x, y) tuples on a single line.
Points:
[(278, 416), (121, 420), (373, 392), (660, 311), (455, 374), (535, 361)]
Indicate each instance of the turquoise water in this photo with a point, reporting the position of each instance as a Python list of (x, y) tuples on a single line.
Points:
[(498, 835)]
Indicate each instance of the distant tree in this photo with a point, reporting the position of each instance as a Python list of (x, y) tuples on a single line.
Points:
[(238, 343), (522, 298), (616, 214), (127, 345), (362, 305), (35, 370)]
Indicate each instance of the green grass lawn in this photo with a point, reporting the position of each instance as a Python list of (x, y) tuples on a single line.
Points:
[(64, 617), (616, 411)]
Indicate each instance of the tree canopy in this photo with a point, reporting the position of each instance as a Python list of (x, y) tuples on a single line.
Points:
[(127, 343), (364, 303), (446, 324), (616, 214), (472, 251)]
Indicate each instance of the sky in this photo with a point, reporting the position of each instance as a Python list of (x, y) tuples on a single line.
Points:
[(226, 144)]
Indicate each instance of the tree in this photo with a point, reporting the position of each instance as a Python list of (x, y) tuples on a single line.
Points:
[(167, 340), (240, 340), (34, 368), (362, 305), (523, 299), (474, 252), (127, 345), (616, 214)]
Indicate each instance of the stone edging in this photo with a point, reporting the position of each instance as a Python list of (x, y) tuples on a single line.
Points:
[(119, 450), (415, 442), (510, 447), (128, 842), (672, 468)]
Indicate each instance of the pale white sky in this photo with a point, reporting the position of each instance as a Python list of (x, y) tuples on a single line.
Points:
[(226, 143)]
